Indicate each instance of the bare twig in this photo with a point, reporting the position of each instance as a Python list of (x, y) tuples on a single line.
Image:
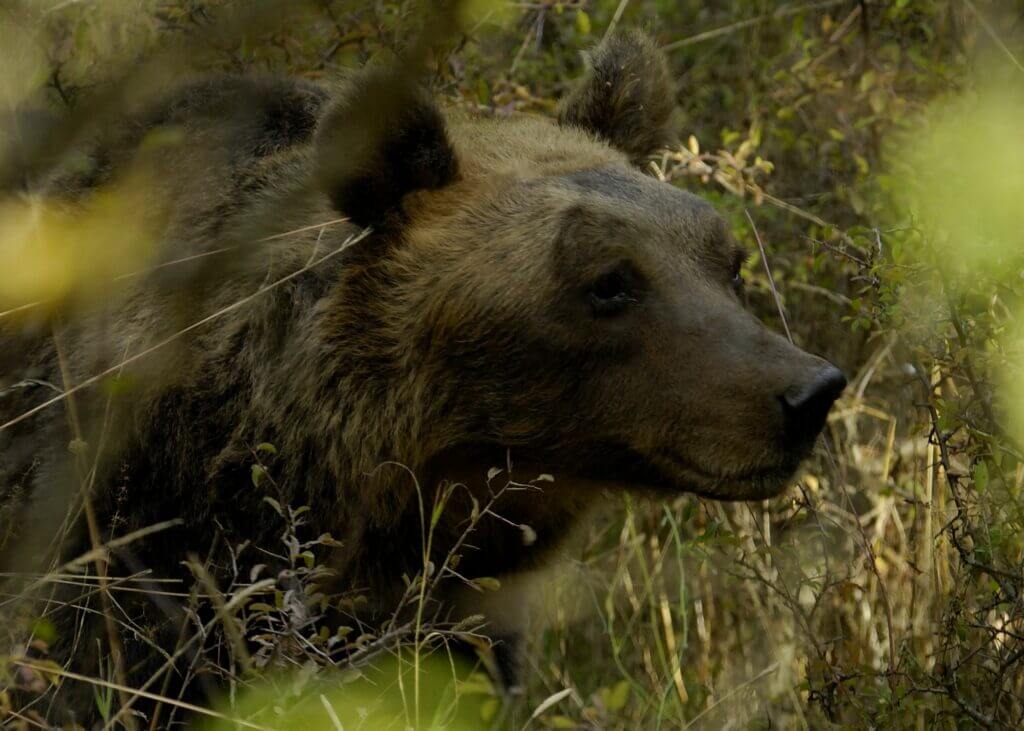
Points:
[(781, 12), (771, 279), (48, 670), (993, 34)]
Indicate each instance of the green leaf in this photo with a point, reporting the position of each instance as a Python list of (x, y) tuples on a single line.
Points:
[(582, 23), (326, 539), (488, 582), (435, 516), (43, 629), (981, 476), (489, 709), (617, 697)]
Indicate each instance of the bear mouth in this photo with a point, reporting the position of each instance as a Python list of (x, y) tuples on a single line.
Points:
[(618, 466), (667, 471), (752, 484)]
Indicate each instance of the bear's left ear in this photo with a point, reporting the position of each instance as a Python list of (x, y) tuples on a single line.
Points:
[(382, 139), (627, 96)]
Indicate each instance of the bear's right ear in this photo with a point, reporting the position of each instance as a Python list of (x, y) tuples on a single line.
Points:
[(382, 139)]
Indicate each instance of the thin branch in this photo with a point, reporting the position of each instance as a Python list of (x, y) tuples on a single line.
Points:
[(771, 279), (48, 670), (783, 12), (993, 35)]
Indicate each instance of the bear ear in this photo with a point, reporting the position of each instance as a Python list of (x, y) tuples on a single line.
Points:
[(382, 139), (627, 96)]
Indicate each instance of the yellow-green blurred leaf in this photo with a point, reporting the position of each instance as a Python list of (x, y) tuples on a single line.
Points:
[(582, 23)]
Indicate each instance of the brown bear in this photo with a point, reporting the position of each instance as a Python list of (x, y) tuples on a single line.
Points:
[(398, 297)]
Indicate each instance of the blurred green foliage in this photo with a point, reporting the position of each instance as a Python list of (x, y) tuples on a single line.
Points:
[(379, 698)]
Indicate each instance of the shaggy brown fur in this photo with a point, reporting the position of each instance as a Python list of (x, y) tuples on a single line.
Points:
[(524, 291)]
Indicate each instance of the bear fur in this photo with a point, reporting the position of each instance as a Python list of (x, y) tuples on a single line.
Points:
[(397, 296)]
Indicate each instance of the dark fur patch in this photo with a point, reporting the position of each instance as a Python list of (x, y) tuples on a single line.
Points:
[(383, 139), (289, 117), (627, 97)]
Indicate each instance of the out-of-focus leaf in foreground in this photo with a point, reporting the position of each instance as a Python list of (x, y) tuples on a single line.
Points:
[(52, 252), (385, 696), (963, 174)]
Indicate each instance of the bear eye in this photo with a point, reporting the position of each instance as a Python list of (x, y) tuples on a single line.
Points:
[(737, 283), (612, 293)]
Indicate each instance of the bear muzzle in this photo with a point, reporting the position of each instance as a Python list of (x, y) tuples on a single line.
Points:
[(805, 406)]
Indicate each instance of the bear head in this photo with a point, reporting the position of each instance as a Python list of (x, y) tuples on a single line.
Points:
[(542, 296)]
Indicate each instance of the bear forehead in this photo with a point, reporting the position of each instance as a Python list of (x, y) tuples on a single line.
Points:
[(641, 191), (639, 198)]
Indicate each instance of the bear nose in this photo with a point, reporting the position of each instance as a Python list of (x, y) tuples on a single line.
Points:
[(806, 405)]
